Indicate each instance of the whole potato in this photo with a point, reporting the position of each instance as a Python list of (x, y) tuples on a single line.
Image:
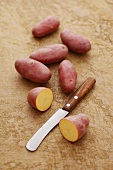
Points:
[(46, 26), (67, 76), (32, 70), (50, 54), (75, 42)]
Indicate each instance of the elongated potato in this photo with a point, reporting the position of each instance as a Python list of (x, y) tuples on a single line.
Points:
[(33, 70), (75, 42), (40, 98), (46, 26), (50, 54), (67, 76), (73, 127)]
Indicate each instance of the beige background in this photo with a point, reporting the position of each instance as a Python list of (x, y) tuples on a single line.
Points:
[(91, 18)]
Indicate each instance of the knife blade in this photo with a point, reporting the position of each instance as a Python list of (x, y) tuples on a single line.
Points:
[(76, 97)]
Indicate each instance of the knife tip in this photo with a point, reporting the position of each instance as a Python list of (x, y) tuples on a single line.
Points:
[(30, 148)]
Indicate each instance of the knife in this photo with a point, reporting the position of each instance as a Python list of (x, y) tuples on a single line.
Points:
[(76, 97)]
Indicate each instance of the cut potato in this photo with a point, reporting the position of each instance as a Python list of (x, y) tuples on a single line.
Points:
[(40, 98), (73, 127)]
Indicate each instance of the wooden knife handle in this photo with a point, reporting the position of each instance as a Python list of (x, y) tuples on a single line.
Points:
[(78, 95)]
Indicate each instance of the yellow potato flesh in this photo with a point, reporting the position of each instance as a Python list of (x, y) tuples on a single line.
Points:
[(68, 130), (44, 99)]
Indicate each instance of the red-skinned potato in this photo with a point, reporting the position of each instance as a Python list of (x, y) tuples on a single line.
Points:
[(75, 42), (74, 127), (33, 70), (40, 98), (67, 76), (46, 26), (50, 54)]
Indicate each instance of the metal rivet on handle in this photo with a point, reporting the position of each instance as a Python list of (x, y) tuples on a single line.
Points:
[(75, 97), (68, 105)]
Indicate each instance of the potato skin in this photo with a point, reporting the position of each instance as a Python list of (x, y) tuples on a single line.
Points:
[(32, 70), (75, 42), (31, 98), (46, 26), (67, 76), (50, 54), (81, 122)]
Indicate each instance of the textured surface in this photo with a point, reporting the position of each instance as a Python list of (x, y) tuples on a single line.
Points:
[(93, 19)]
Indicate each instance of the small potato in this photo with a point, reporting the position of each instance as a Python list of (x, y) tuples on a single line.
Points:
[(46, 26), (50, 54), (40, 98), (33, 70), (75, 42), (67, 76), (74, 127)]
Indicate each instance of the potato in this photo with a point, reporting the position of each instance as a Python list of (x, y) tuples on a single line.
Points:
[(33, 70), (75, 42), (73, 127), (67, 76), (50, 54), (40, 98), (46, 26)]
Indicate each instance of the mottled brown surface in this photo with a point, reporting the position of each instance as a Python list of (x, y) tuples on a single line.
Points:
[(91, 18)]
